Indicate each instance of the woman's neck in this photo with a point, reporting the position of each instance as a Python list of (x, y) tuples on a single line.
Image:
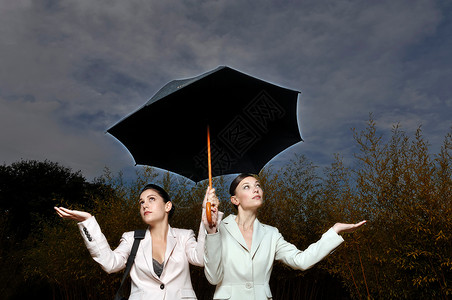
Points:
[(159, 231), (245, 219)]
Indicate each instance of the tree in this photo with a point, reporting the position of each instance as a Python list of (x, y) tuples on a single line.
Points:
[(404, 253), (29, 190)]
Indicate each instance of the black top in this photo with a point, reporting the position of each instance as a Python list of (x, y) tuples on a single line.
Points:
[(158, 267)]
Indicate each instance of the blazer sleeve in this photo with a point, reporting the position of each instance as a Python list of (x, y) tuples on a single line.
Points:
[(303, 260), (195, 249), (213, 266), (110, 261)]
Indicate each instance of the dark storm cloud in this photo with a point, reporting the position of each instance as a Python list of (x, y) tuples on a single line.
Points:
[(71, 69)]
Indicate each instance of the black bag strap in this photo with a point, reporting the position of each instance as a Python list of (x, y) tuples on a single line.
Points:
[(138, 235)]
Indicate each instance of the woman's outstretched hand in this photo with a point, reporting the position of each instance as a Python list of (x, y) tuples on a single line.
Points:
[(346, 228), (215, 203), (76, 215)]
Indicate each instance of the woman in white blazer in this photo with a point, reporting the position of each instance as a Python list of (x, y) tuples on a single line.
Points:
[(161, 266), (239, 257)]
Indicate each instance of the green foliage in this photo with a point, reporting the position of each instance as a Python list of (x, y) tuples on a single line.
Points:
[(28, 192), (29, 189), (404, 252)]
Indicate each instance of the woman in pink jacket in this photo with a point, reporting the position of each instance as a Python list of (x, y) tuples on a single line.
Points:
[(161, 266)]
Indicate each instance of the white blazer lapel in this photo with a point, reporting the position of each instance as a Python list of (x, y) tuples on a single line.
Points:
[(258, 236), (232, 227)]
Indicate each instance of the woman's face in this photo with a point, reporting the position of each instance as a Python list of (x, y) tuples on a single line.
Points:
[(248, 194), (152, 207)]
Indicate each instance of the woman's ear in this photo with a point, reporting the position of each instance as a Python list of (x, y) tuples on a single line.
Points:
[(235, 201), (168, 206)]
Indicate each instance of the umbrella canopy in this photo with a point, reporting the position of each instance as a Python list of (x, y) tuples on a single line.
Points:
[(250, 122)]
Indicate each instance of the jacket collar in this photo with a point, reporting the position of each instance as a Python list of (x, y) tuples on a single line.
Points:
[(258, 233), (147, 250), (170, 244)]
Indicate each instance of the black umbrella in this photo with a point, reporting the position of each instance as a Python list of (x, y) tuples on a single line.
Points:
[(250, 122)]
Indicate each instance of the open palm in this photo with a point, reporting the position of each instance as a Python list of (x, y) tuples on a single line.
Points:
[(76, 215), (347, 228)]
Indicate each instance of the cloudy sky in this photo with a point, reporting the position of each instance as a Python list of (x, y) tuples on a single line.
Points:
[(71, 69)]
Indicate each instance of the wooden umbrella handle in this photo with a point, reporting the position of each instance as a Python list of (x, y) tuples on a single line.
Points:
[(208, 212), (209, 164)]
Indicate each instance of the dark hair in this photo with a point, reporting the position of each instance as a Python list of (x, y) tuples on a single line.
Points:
[(162, 193), (235, 183)]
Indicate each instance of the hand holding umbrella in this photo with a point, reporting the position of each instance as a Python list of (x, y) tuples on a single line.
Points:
[(212, 199)]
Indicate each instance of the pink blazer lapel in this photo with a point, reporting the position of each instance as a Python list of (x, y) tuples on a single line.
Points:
[(170, 244), (146, 249)]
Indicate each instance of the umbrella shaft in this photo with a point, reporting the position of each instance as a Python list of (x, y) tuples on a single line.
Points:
[(209, 159)]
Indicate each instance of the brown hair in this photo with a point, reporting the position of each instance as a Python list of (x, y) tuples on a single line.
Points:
[(162, 194), (235, 183)]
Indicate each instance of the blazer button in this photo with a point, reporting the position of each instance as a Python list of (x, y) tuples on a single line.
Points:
[(248, 285), (162, 286)]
